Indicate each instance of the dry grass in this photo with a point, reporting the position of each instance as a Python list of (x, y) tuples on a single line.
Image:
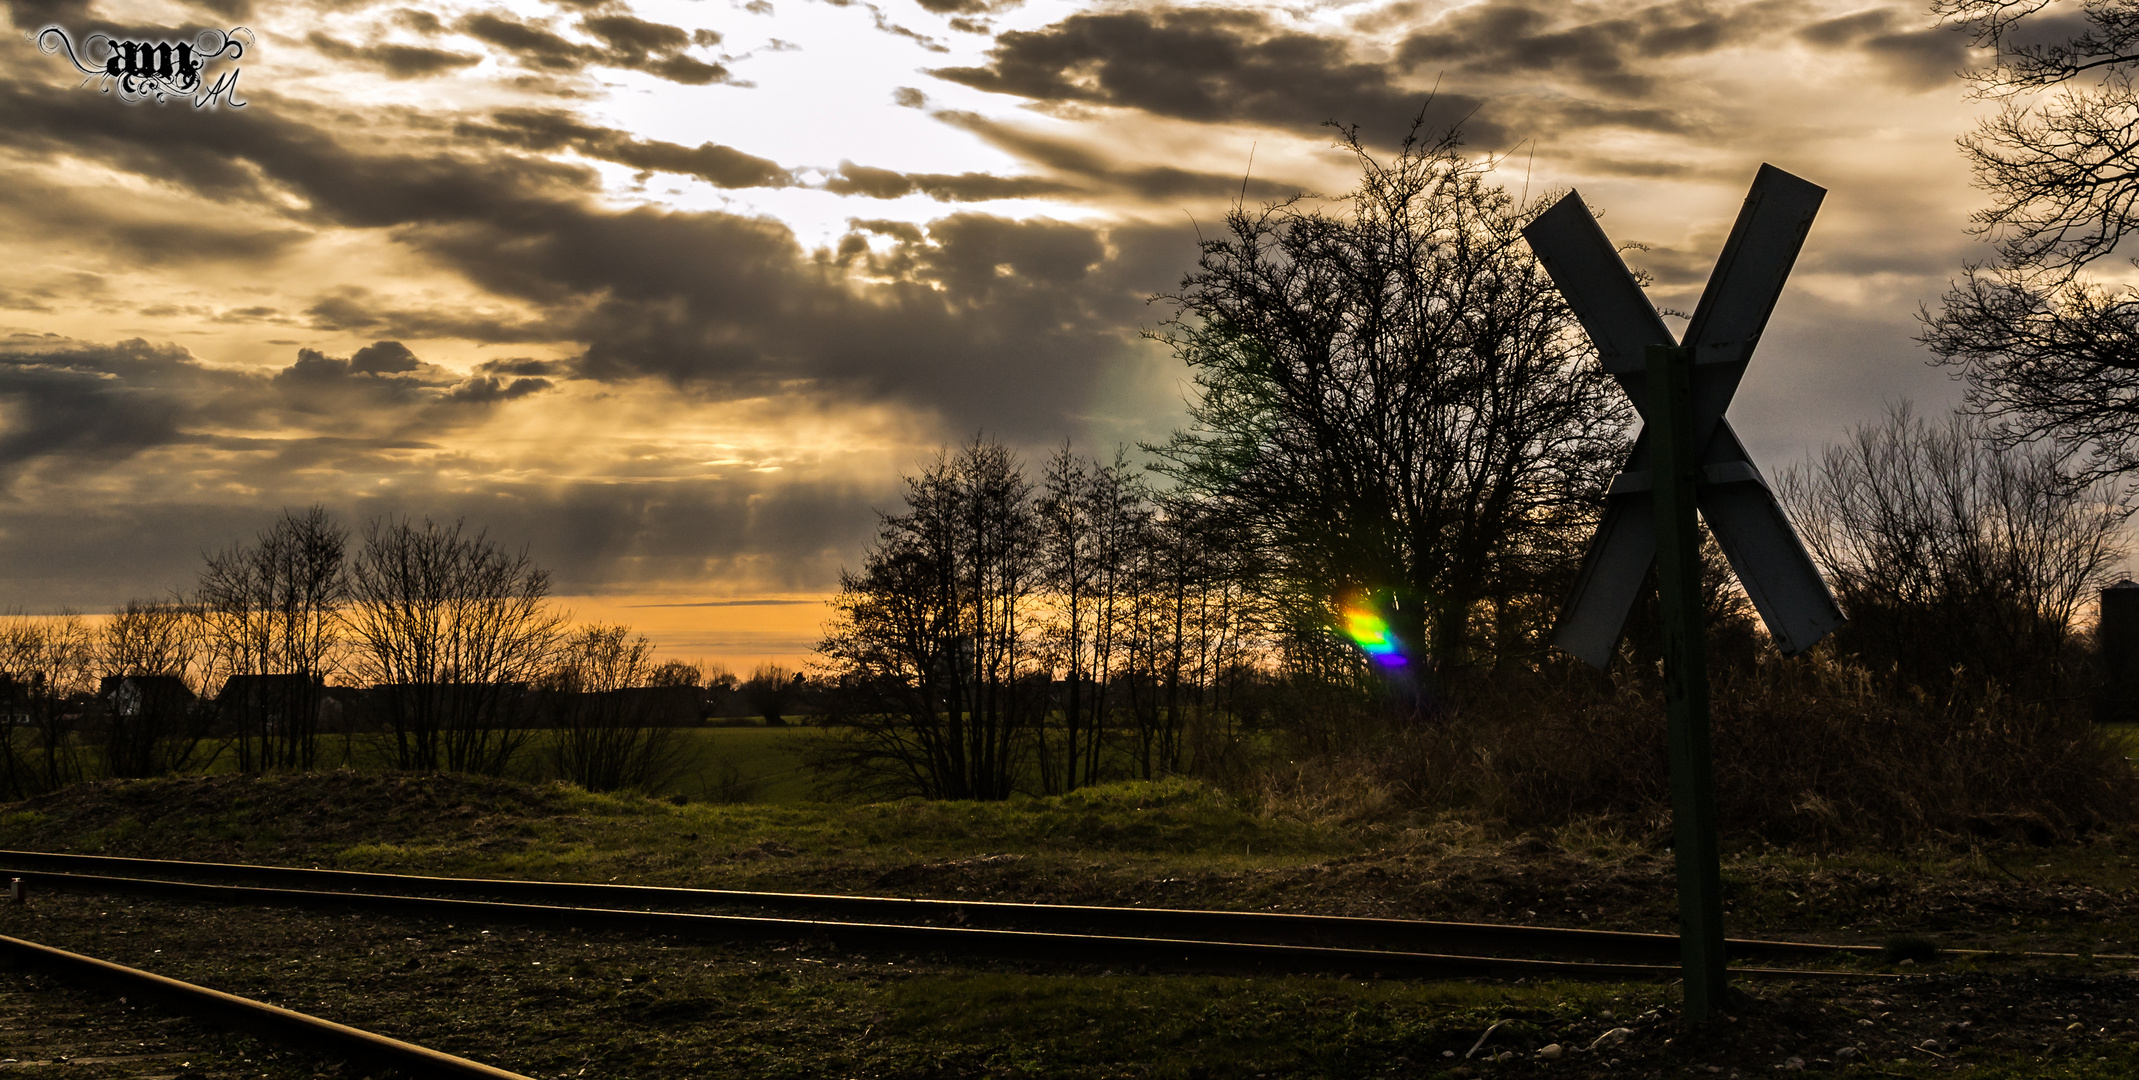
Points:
[(1808, 752)]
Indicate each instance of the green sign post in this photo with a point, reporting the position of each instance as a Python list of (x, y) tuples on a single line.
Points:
[(1678, 583)]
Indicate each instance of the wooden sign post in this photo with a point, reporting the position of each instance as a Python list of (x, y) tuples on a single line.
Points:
[(1687, 459), (1678, 585)]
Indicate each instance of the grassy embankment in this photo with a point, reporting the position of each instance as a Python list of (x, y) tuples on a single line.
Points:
[(703, 1011)]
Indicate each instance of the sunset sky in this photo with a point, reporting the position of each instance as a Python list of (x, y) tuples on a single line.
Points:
[(672, 291)]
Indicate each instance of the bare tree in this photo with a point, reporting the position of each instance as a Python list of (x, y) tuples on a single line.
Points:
[(1951, 553), (271, 618), (1091, 520), (2049, 354), (930, 643), (452, 630), (46, 678), (606, 733), (157, 728), (772, 691), (676, 673), (1391, 399)]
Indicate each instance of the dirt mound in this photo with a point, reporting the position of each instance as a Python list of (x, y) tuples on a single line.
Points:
[(286, 816)]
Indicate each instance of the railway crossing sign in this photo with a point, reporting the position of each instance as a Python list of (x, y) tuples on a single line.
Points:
[(1688, 456), (1764, 551)]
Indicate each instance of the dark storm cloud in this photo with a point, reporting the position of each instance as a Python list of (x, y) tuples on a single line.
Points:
[(968, 7), (79, 405), (983, 320), (397, 61), (521, 366), (38, 14), (489, 389), (1603, 49), (385, 376), (353, 308), (551, 129), (384, 358), (247, 159), (627, 42), (101, 402), (852, 179), (1914, 56), (38, 207), (1210, 65)]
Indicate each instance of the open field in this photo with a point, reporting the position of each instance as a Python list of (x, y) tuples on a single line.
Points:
[(732, 761), (552, 1003)]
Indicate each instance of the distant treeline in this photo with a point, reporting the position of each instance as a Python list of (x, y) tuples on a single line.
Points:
[(437, 644)]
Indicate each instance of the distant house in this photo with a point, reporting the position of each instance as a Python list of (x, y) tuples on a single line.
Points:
[(269, 702), (132, 696), (665, 706), (637, 706)]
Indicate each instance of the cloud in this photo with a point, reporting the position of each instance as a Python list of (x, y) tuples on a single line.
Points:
[(522, 366), (553, 129), (1088, 161), (1912, 55), (489, 389), (397, 61), (355, 309), (1211, 65), (77, 400), (1609, 49), (626, 42), (384, 358), (852, 179), (723, 304), (280, 150)]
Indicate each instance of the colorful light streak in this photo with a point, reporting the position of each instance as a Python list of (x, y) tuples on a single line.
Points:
[(1371, 633)]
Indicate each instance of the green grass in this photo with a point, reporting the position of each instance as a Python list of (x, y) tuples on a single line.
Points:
[(741, 763)]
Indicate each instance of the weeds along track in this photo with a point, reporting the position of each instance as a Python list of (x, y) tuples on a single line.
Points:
[(296, 1030), (1158, 939)]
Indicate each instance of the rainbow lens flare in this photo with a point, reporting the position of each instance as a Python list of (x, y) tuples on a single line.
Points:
[(1371, 633)]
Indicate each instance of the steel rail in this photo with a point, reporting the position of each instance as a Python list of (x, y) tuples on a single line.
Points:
[(1272, 928), (1233, 957), (295, 1030)]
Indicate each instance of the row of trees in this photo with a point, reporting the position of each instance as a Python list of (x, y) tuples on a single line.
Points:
[(1001, 635), (453, 635)]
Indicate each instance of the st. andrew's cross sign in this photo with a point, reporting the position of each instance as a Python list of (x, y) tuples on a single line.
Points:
[(1687, 455), (1741, 511)]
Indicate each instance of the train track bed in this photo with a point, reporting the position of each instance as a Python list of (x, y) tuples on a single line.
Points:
[(558, 1001), (51, 1027)]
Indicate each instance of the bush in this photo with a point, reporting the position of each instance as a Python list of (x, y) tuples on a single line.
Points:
[(1808, 752)]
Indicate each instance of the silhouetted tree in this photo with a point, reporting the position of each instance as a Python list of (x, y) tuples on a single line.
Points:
[(453, 630), (1391, 399), (45, 680), (2047, 352), (929, 643), (1950, 553), (273, 608), (606, 735), (675, 673), (157, 731)]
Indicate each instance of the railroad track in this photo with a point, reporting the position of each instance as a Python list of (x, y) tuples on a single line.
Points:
[(111, 1045), (1160, 939)]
